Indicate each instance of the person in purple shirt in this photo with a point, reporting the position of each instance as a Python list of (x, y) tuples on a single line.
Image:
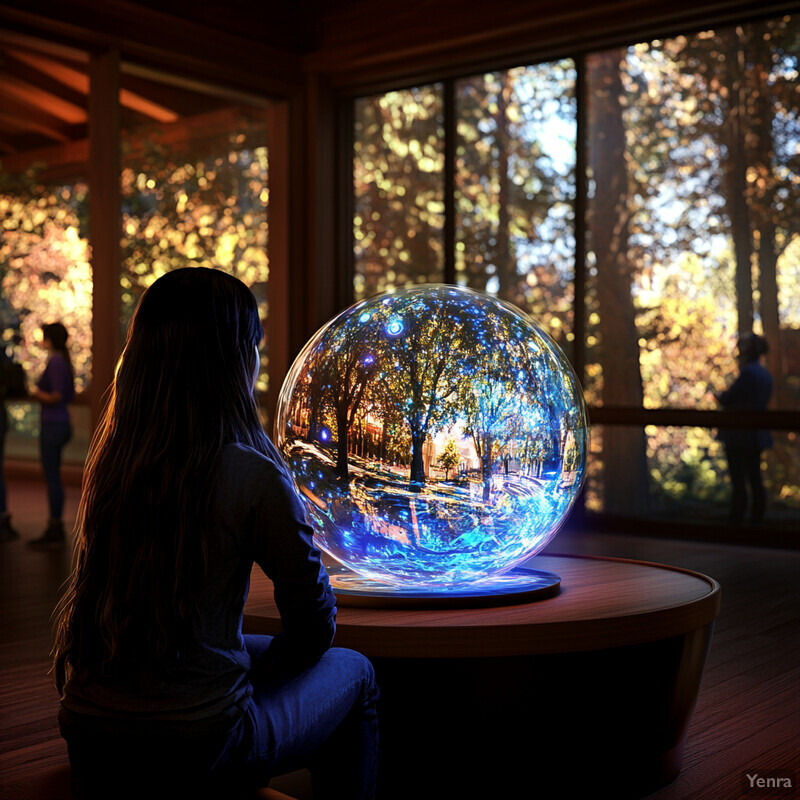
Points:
[(54, 390)]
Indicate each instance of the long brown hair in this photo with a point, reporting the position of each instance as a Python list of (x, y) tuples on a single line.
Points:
[(183, 389)]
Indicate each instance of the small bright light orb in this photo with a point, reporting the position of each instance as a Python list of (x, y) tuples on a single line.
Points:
[(395, 327), (437, 434)]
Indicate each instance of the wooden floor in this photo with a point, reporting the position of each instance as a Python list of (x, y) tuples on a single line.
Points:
[(746, 720)]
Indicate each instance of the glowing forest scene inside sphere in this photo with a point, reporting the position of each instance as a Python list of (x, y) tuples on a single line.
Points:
[(437, 434)]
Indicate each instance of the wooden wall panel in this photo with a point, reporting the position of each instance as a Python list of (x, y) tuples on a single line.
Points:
[(367, 43), (277, 322)]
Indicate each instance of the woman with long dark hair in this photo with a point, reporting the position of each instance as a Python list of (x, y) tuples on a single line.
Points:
[(182, 492), (54, 390)]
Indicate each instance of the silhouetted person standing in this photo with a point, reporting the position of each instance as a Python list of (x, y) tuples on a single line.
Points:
[(6, 531), (751, 391), (12, 386)]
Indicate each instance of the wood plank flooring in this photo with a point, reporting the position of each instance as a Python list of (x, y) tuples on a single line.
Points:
[(30, 582), (746, 718)]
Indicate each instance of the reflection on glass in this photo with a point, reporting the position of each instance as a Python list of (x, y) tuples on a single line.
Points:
[(437, 434)]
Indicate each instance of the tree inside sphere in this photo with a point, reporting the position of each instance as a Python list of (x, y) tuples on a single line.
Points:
[(437, 434)]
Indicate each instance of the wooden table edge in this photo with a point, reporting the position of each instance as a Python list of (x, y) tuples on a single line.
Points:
[(526, 638)]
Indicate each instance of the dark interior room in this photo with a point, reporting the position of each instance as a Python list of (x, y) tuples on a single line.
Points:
[(625, 175)]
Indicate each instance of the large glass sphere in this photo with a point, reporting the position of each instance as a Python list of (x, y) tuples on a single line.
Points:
[(437, 434)]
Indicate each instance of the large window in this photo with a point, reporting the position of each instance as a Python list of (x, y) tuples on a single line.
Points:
[(692, 235), (45, 276), (194, 190), (197, 200), (512, 189), (686, 234)]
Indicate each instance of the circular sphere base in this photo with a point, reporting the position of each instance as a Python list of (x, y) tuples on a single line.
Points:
[(520, 585)]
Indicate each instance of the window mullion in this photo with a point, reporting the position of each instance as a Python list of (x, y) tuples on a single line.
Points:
[(449, 233), (581, 188)]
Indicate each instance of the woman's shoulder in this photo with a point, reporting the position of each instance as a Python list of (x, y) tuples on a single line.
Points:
[(246, 463), (248, 478)]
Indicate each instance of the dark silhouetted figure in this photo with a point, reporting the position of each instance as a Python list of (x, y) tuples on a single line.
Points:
[(162, 696), (12, 386), (751, 391), (7, 532)]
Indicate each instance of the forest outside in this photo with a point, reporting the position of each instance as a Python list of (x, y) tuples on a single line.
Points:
[(691, 234), (203, 206)]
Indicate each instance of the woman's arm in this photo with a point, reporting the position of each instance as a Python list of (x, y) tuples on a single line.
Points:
[(48, 398), (286, 552)]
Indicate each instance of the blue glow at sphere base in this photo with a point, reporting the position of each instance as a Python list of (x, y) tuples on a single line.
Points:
[(438, 436), (515, 586)]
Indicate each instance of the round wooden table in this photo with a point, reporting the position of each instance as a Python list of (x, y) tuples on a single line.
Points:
[(589, 691)]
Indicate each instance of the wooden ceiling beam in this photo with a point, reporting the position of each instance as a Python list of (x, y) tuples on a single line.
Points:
[(192, 84), (157, 40), (6, 145), (19, 40), (70, 159), (180, 100), (17, 64), (51, 104), (74, 77), (78, 80), (33, 118), (146, 107)]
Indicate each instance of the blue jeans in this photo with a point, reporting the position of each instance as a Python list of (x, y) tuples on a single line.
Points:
[(323, 719), (53, 438)]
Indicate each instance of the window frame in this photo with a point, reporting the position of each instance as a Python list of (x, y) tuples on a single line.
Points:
[(599, 414)]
